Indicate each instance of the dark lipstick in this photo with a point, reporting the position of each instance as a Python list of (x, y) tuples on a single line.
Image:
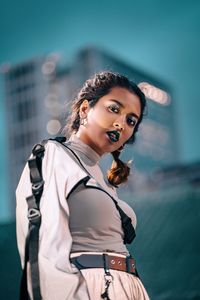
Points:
[(113, 135)]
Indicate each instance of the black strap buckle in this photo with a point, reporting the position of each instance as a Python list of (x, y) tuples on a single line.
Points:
[(37, 187), (38, 149), (34, 216)]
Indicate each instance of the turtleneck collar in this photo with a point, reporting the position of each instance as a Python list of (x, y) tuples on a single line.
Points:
[(86, 153)]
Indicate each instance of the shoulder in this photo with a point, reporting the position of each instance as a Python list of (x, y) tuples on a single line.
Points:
[(61, 162), (56, 153), (56, 160), (57, 157)]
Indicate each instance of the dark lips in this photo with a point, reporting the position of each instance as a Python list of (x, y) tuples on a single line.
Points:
[(113, 135)]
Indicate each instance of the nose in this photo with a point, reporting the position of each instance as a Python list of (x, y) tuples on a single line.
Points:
[(119, 125)]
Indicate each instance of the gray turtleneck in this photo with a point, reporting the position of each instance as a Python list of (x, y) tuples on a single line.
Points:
[(94, 221)]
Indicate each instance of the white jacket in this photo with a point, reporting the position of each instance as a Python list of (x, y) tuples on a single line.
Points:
[(59, 279)]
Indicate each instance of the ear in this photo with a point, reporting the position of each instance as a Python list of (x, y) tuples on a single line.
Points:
[(84, 108)]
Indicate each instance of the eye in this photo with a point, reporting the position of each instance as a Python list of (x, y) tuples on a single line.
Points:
[(131, 121), (113, 108)]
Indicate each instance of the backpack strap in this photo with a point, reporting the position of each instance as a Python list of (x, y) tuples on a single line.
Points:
[(34, 217)]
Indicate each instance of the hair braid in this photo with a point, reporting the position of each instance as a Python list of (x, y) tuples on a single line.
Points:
[(119, 171)]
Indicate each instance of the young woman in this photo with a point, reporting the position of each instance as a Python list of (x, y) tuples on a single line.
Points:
[(84, 226)]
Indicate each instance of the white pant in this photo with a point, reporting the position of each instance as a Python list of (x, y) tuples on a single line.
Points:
[(124, 286)]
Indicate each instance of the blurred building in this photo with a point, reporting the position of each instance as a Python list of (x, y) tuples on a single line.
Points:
[(176, 175), (38, 94)]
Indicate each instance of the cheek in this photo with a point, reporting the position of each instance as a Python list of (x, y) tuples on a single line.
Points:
[(100, 119), (128, 134), (103, 123)]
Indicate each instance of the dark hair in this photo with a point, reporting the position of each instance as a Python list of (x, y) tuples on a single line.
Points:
[(93, 89)]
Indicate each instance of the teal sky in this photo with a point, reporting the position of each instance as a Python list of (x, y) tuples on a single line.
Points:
[(160, 37)]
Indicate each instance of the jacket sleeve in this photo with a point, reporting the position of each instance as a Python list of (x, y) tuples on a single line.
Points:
[(59, 279)]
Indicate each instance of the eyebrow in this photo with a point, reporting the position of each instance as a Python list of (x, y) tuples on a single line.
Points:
[(120, 104)]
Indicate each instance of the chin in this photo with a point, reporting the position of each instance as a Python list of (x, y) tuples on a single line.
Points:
[(112, 148)]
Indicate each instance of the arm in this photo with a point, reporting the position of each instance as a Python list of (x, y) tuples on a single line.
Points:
[(59, 279)]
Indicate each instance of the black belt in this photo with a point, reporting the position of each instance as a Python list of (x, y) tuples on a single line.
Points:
[(86, 261)]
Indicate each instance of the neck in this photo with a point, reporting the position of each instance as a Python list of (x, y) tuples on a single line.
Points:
[(86, 140), (84, 149)]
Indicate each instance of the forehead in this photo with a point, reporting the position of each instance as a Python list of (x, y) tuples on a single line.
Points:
[(129, 101)]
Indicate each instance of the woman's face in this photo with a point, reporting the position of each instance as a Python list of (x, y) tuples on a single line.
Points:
[(111, 122)]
